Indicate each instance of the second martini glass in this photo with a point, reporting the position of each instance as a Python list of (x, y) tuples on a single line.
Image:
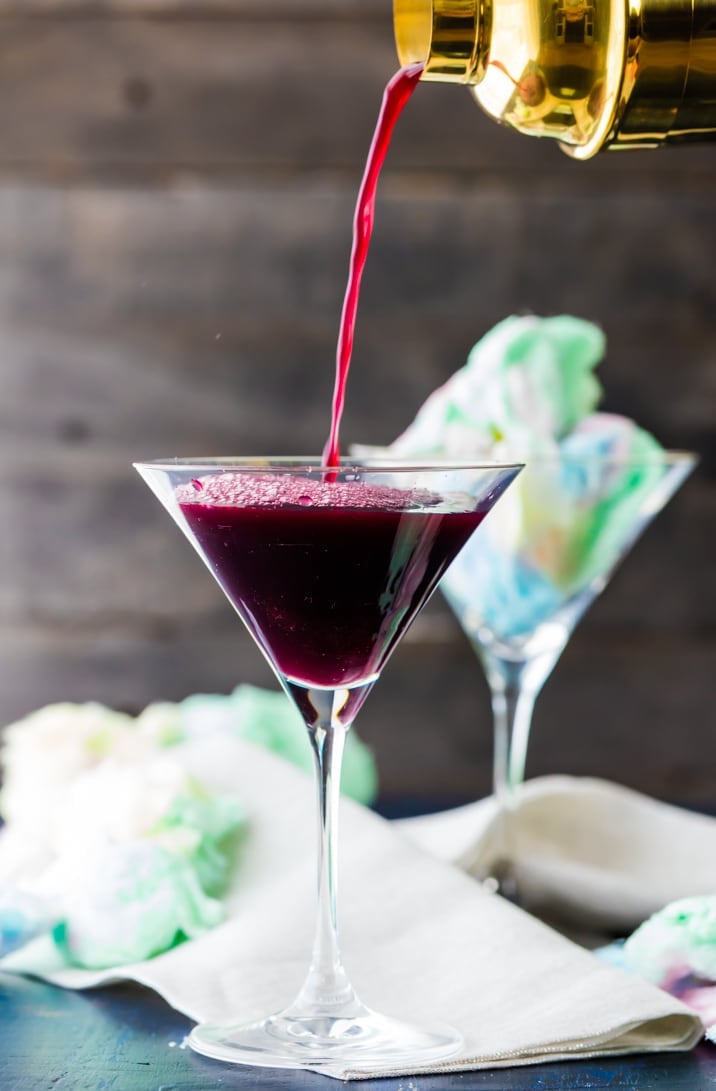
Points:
[(327, 567), (522, 587)]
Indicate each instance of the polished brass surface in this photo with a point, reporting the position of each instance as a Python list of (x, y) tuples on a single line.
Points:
[(669, 89), (446, 35), (589, 73)]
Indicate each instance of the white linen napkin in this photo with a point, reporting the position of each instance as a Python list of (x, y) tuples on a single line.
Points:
[(585, 851), (420, 940)]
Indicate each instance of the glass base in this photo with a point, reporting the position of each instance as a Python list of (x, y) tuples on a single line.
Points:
[(361, 1042)]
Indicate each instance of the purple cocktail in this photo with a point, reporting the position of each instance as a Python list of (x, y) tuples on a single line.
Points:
[(326, 575), (327, 567)]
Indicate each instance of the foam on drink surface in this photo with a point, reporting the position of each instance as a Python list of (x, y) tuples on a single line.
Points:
[(259, 490)]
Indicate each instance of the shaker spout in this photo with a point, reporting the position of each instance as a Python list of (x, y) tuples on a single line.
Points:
[(448, 37)]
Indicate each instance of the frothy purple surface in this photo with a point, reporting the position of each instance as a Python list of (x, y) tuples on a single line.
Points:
[(249, 490), (327, 575)]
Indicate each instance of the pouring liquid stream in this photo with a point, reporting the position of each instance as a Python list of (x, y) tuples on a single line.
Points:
[(397, 93)]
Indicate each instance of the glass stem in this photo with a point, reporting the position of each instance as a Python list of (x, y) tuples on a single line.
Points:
[(512, 708), (327, 990), (514, 686)]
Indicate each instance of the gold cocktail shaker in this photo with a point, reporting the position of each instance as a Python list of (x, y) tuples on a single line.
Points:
[(592, 74)]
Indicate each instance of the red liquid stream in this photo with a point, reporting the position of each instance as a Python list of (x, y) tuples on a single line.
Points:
[(396, 95)]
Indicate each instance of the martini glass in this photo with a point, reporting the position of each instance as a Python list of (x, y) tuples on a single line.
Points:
[(327, 567), (522, 585)]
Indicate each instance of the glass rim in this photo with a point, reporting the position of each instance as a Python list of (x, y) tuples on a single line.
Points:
[(381, 463), (668, 455), (663, 454), (289, 463)]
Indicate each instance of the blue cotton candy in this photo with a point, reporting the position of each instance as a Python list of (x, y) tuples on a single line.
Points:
[(22, 918), (514, 597)]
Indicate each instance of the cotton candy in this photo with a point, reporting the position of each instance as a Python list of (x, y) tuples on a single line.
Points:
[(528, 392), (676, 949), (111, 843), (126, 904), (269, 719), (678, 940)]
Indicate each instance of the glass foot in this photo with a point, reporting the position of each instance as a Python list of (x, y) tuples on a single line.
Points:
[(360, 1042)]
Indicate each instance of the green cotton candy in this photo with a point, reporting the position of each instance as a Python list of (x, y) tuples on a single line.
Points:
[(203, 830), (618, 518), (543, 368), (528, 378), (268, 718), (678, 939), (130, 903)]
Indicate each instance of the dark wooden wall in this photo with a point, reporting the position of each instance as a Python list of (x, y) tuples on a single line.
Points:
[(176, 190)]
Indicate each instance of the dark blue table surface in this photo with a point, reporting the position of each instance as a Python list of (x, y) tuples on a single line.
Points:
[(126, 1039)]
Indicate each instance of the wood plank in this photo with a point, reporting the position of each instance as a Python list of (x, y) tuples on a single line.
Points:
[(154, 100), (120, 1036), (82, 540), (81, 552), (220, 298), (142, 95), (605, 712), (204, 9)]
